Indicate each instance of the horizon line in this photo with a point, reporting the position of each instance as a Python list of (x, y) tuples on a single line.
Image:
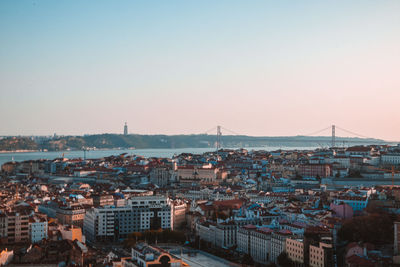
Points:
[(268, 136)]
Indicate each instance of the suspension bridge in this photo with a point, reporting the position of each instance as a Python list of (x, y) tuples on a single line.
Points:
[(332, 129)]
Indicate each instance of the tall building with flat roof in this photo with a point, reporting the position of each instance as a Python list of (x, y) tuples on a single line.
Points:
[(111, 223), (396, 238), (126, 129)]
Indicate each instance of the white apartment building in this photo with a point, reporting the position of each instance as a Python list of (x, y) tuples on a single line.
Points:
[(161, 176), (256, 242), (278, 243), (100, 223), (155, 212), (243, 238), (110, 223), (38, 229), (391, 158), (205, 232), (225, 235), (260, 245), (222, 235)]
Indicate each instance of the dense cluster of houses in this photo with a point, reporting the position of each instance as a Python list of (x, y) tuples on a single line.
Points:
[(265, 205)]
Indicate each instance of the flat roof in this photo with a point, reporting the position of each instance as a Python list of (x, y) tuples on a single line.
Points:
[(198, 258)]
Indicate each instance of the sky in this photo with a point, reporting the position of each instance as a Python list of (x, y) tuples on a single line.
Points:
[(262, 68)]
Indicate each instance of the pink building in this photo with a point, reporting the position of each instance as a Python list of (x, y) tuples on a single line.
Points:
[(343, 210), (314, 170), (358, 249)]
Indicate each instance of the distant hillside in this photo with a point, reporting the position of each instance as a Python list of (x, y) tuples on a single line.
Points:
[(108, 141), (18, 143)]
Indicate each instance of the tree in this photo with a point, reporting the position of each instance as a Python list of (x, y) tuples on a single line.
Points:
[(247, 259), (354, 174), (298, 176), (374, 228), (151, 236), (283, 260), (132, 239)]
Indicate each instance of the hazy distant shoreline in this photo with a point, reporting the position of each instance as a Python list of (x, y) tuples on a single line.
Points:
[(18, 151), (70, 150), (133, 141)]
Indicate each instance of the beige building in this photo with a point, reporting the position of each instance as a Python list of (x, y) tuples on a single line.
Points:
[(102, 200), (194, 174), (178, 213), (144, 255), (17, 227), (73, 215), (320, 255), (295, 249)]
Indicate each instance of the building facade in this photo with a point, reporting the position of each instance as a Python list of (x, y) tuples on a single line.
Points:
[(110, 223), (160, 176), (295, 250), (73, 215), (321, 255), (256, 242), (222, 235), (278, 243), (38, 229), (314, 170), (17, 227)]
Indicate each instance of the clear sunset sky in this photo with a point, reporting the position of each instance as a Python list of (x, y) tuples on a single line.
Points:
[(263, 68)]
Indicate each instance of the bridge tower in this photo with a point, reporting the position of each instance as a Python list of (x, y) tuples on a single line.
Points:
[(333, 136), (219, 134)]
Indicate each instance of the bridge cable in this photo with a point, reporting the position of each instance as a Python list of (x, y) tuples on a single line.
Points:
[(235, 133), (317, 132), (353, 133)]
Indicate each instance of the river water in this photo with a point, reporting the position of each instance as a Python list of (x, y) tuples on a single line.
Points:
[(161, 153)]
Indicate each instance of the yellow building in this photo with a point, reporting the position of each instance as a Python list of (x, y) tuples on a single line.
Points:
[(72, 233)]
